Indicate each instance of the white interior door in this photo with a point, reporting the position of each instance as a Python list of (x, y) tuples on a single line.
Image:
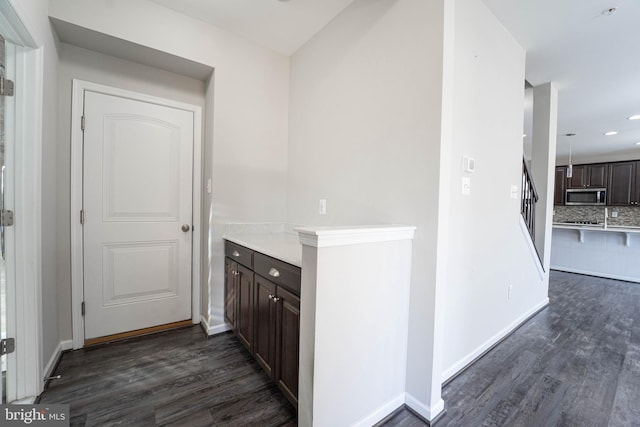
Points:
[(137, 208)]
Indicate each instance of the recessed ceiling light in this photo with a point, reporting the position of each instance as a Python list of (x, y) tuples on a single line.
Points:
[(634, 117), (611, 133)]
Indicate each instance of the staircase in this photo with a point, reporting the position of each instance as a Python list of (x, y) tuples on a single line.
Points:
[(529, 198)]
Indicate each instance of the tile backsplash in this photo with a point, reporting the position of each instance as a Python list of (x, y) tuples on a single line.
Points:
[(627, 215)]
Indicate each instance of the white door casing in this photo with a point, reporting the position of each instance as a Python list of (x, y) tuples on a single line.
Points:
[(135, 262)]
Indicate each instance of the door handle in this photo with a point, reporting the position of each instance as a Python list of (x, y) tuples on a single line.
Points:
[(186, 228)]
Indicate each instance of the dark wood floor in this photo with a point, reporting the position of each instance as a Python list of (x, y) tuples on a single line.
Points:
[(577, 363), (175, 378)]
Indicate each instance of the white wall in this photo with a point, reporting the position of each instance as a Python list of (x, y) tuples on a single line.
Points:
[(34, 13), (78, 63), (245, 118), (487, 250), (364, 133)]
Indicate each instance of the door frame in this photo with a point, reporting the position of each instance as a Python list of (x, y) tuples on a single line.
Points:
[(77, 272), (24, 303)]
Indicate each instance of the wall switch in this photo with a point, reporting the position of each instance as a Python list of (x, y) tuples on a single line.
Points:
[(466, 185), (509, 291), (468, 164), (614, 214), (209, 186), (322, 207), (514, 191)]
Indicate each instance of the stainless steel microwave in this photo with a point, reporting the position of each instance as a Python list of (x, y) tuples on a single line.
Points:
[(586, 196)]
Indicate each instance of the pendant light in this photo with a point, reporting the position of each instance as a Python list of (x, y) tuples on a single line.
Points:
[(570, 167)]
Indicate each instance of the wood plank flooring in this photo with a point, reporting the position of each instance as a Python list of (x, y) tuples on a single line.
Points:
[(577, 363), (174, 378)]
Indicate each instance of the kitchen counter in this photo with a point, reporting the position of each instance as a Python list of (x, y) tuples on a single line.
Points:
[(598, 227), (277, 243), (611, 252)]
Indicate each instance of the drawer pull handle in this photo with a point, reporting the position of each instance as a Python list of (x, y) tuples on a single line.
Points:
[(274, 273), (276, 299), (235, 254), (272, 297)]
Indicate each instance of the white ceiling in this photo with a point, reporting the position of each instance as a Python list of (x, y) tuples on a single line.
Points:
[(283, 26), (593, 59)]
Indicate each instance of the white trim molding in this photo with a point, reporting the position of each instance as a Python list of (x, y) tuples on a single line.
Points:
[(77, 106), (495, 339), (55, 356), (321, 237), (532, 248), (429, 413), (24, 302), (380, 413), (596, 274), (213, 330)]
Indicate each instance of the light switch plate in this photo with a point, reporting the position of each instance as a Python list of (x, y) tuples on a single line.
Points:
[(466, 185), (322, 207), (514, 191)]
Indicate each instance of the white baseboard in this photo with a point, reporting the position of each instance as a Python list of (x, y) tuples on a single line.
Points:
[(213, 330), (465, 361), (26, 401), (62, 346), (380, 413), (425, 411), (596, 274)]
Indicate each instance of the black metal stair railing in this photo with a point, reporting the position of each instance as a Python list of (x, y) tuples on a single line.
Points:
[(528, 200)]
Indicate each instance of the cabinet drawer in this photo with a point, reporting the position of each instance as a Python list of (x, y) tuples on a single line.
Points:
[(238, 253), (278, 272)]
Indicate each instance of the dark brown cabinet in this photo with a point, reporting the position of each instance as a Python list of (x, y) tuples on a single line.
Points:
[(624, 184), (560, 185), (588, 176), (245, 312), (287, 343), (264, 303), (265, 337), (230, 271)]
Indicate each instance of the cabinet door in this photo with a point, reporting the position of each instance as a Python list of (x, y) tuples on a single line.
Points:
[(636, 186), (578, 178), (244, 318), (597, 175), (230, 275), (288, 344), (560, 185), (264, 344), (621, 183)]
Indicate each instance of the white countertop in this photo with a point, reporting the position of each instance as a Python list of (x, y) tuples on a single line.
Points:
[(278, 244), (600, 227)]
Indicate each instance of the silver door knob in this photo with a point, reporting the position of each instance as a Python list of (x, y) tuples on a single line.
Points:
[(186, 228)]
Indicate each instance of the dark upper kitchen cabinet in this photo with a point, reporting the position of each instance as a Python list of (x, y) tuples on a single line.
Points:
[(560, 185), (636, 193), (589, 176), (578, 177), (624, 184)]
